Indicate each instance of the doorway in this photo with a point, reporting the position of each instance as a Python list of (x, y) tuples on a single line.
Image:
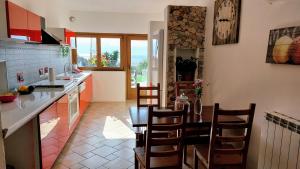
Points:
[(137, 63)]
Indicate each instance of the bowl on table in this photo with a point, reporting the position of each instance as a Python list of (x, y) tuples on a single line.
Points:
[(8, 97)]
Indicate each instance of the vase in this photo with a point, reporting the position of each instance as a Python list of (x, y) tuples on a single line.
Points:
[(198, 105)]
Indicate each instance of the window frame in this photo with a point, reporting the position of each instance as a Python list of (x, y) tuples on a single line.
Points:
[(123, 49)]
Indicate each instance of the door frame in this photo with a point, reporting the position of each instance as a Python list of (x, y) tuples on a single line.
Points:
[(131, 93)]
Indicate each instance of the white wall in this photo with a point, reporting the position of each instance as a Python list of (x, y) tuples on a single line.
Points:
[(238, 73), (109, 86), (107, 22)]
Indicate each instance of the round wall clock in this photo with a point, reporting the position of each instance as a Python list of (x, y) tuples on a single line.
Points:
[(226, 22)]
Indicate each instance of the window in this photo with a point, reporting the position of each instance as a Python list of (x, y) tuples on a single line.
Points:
[(110, 52), (97, 51), (86, 51)]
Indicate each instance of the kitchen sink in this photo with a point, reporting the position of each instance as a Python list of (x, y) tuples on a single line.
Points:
[(69, 76), (77, 75)]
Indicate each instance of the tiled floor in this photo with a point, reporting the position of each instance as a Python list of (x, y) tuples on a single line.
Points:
[(103, 139)]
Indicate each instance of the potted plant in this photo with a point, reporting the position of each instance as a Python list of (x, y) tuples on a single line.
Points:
[(185, 68)]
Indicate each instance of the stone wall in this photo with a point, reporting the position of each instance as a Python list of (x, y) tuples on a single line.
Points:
[(186, 30)]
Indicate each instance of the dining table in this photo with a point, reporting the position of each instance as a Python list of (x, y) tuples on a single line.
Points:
[(139, 117)]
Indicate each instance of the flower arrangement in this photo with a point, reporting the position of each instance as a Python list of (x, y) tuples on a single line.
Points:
[(198, 84)]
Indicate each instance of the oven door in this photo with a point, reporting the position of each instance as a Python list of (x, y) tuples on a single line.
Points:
[(73, 107)]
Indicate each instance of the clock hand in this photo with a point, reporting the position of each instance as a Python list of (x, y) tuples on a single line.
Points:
[(224, 20)]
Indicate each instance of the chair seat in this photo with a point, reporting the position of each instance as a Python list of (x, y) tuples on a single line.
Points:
[(220, 159), (157, 162)]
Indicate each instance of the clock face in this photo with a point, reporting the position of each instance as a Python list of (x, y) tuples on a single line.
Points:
[(225, 19)]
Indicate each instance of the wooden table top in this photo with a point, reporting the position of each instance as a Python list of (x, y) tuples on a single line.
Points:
[(139, 117)]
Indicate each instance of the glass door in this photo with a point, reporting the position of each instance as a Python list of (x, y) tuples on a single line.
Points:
[(137, 69)]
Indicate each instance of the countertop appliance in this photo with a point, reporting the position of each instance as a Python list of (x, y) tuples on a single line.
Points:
[(73, 97), (52, 84)]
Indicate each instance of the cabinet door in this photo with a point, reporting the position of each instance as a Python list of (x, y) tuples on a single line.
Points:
[(49, 136), (82, 101), (86, 95), (17, 21), (34, 27), (63, 126), (89, 82)]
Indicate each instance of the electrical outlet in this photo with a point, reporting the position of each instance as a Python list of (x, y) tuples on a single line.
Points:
[(41, 72), (20, 77)]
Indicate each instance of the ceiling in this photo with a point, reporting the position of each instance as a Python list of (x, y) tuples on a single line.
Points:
[(127, 6)]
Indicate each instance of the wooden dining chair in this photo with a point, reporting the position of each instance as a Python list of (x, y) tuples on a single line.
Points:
[(162, 152), (146, 96), (230, 150), (150, 94), (193, 134)]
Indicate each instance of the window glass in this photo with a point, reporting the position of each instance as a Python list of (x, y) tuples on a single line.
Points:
[(110, 52), (139, 62), (86, 52)]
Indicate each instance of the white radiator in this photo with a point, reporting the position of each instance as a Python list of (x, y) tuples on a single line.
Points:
[(280, 142)]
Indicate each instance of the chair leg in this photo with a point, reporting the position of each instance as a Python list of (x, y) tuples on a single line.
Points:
[(139, 140), (185, 155), (195, 160), (136, 163)]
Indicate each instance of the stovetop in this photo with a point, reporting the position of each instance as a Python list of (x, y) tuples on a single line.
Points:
[(52, 84)]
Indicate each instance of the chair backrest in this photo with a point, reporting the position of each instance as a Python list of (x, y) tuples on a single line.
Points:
[(175, 122), (241, 141), (148, 93), (186, 87)]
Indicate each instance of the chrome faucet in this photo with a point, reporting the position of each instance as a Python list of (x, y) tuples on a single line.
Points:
[(67, 68)]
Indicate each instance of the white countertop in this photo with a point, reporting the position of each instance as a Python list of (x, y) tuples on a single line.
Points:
[(26, 107)]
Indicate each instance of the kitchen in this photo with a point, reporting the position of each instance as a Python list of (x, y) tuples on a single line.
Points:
[(77, 116)]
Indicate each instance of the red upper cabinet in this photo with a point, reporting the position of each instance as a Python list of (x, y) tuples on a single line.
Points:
[(16, 21), (69, 35), (22, 24), (34, 27)]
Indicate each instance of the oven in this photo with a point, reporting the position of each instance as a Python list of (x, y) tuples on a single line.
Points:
[(73, 97)]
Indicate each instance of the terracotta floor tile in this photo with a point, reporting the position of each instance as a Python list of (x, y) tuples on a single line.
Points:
[(70, 160), (94, 162), (118, 163), (93, 140), (113, 143), (88, 155), (83, 149), (125, 153), (104, 151), (111, 157), (76, 166), (131, 167)]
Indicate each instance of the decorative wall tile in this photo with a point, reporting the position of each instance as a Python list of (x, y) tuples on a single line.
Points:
[(28, 58)]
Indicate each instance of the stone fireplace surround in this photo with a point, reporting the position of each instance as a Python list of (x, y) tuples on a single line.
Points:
[(185, 36)]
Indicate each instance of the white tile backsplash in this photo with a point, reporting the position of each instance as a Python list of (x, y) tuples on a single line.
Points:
[(28, 58)]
